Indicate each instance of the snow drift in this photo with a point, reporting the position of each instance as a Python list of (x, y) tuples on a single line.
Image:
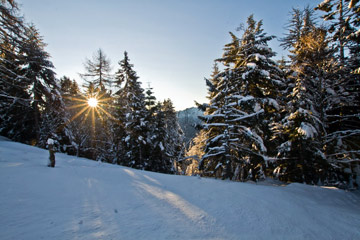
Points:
[(83, 199)]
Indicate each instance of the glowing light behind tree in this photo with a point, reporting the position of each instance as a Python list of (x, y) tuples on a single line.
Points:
[(92, 102)]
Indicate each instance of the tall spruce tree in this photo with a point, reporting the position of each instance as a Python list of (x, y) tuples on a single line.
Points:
[(244, 106), (305, 126), (338, 14), (32, 108), (173, 141), (118, 121), (343, 142), (15, 102), (43, 85), (80, 123), (70, 92), (132, 106), (301, 23)]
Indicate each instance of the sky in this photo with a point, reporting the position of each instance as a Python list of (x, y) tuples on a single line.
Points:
[(172, 43)]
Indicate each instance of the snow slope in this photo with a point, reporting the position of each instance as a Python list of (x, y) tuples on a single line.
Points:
[(82, 199)]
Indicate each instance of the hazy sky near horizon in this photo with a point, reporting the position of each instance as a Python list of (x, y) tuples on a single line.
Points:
[(172, 43)]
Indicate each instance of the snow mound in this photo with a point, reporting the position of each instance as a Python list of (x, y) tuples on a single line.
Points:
[(83, 199)]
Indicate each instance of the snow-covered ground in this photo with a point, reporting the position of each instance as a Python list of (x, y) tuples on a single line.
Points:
[(82, 199)]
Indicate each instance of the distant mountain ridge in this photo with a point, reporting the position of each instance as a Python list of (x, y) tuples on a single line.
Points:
[(188, 119)]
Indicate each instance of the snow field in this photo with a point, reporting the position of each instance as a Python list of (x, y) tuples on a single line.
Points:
[(83, 199)]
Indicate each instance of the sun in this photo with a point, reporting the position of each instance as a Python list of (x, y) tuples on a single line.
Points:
[(94, 106), (92, 102)]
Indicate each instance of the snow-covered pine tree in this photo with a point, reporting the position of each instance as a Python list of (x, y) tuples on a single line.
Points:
[(36, 68), (301, 22), (354, 88), (173, 142), (56, 117), (165, 137), (69, 88), (213, 124), (305, 125), (197, 145), (258, 93), (339, 15), (118, 122), (155, 134), (15, 101), (48, 107), (79, 124), (28, 84), (150, 99), (158, 158), (244, 106), (343, 142), (70, 91), (132, 99), (53, 122)]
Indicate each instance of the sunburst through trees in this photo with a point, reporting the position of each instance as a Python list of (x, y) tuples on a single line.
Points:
[(93, 106), (92, 102)]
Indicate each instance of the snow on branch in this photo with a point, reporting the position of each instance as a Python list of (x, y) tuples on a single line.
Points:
[(255, 137), (221, 148), (273, 103), (212, 154), (342, 134), (258, 56), (346, 152), (251, 65), (307, 130), (17, 98), (215, 139), (247, 116), (215, 125)]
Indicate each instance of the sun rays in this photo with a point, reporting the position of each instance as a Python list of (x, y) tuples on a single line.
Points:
[(94, 105)]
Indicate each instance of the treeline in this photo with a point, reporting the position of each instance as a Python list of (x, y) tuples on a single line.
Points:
[(297, 119), (124, 124)]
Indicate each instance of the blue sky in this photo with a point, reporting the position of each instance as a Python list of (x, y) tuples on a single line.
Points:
[(171, 43)]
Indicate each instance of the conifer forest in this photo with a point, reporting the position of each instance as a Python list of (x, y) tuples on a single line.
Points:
[(295, 119)]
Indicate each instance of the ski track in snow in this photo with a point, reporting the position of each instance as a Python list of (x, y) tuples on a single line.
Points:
[(83, 199)]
